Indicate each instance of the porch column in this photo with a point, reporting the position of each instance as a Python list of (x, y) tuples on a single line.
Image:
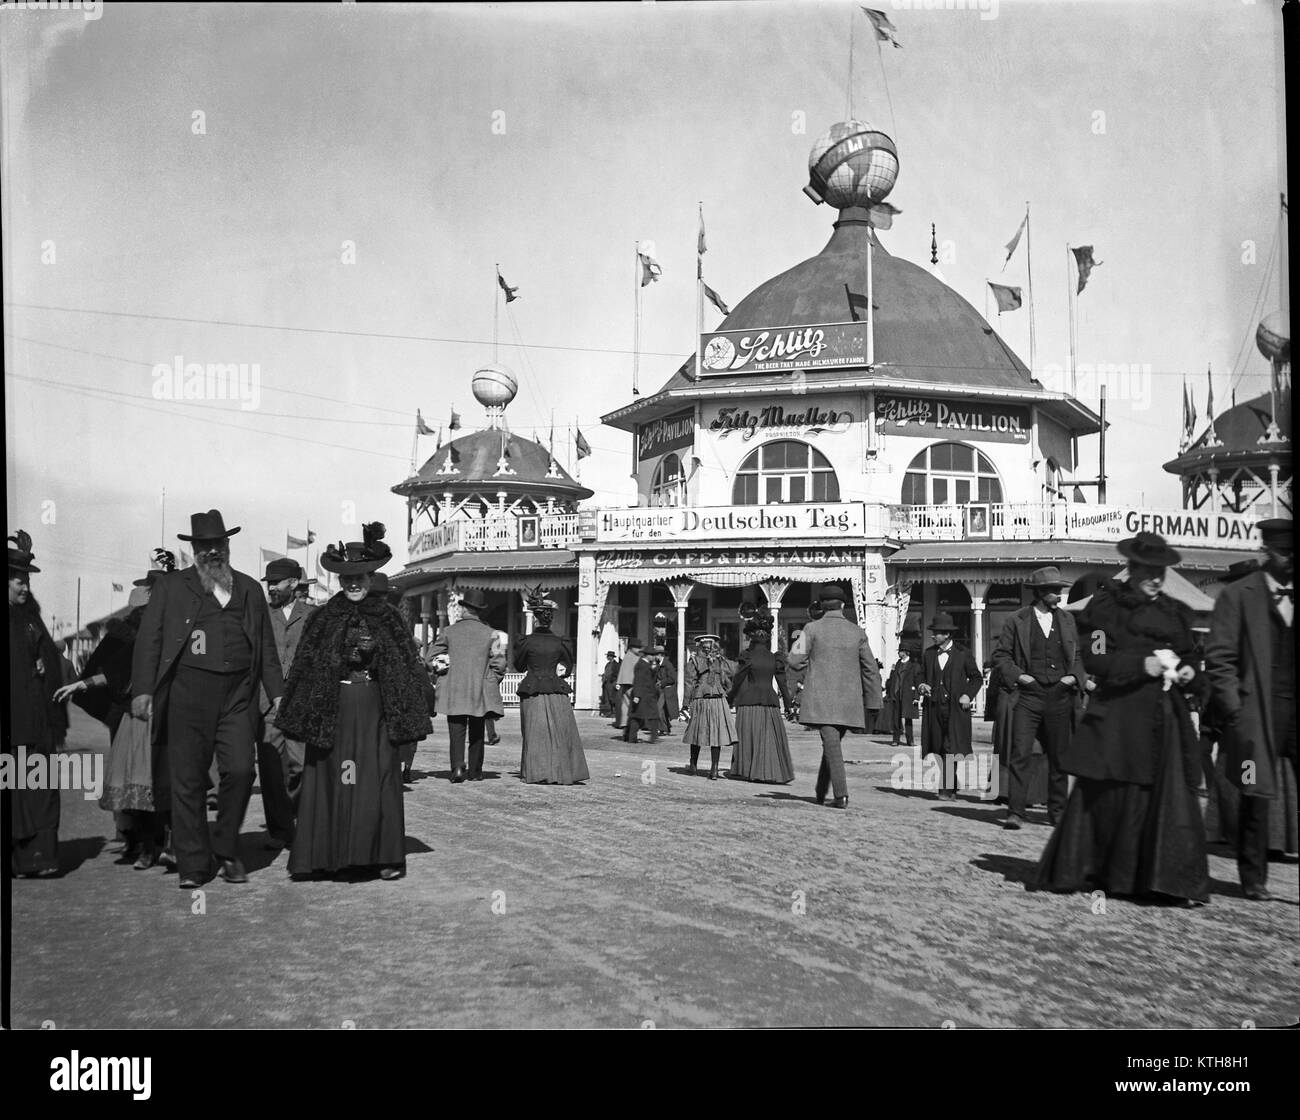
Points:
[(1214, 489), (426, 616), (643, 621), (681, 593), (586, 673), (774, 591), (978, 590), (1272, 486)]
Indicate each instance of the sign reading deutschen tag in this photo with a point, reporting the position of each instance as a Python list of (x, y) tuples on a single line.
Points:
[(826, 521), (769, 349)]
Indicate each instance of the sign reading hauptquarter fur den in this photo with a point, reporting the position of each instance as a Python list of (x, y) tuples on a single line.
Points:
[(934, 416), (768, 349), (824, 521), (668, 433)]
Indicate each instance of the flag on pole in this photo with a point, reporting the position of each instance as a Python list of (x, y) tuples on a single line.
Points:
[(650, 269), (455, 420), (1011, 245), (421, 427), (582, 446), (291, 542), (1083, 260), (1209, 399), (715, 299), (1189, 412), (268, 556), (509, 291), (886, 32), (700, 247), (1008, 298), (118, 587)]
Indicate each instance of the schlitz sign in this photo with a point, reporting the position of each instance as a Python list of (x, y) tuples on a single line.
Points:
[(665, 434), (927, 416), (768, 349)]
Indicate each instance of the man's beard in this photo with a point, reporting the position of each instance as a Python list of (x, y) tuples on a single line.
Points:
[(215, 573)]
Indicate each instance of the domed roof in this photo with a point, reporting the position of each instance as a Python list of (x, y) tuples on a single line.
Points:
[(471, 463), (923, 329), (1239, 430)]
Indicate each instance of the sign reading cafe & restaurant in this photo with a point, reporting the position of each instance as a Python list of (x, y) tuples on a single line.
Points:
[(768, 349), (932, 416), (668, 433), (825, 521)]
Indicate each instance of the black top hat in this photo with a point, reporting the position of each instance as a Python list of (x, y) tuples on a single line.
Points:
[(20, 558), (831, 591), (1046, 577), (1083, 589), (942, 623), (1150, 549), (150, 578), (473, 598), (358, 558), (207, 527), (1277, 533), (282, 568)]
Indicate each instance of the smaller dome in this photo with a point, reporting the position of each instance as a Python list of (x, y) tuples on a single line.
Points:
[(494, 386), (1273, 337), (852, 164)]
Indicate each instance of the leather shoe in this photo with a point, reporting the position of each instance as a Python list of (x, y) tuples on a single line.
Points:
[(840, 802), (192, 882), (1013, 821), (690, 769), (477, 776), (1258, 894), (233, 871), (391, 873), (459, 774)]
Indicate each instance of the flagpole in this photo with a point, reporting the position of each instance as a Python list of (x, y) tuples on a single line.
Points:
[(162, 521), (636, 319), (1074, 380), (496, 303), (849, 92), (1029, 265), (871, 316), (699, 294), (307, 567)]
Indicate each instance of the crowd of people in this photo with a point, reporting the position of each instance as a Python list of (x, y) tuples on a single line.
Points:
[(207, 682)]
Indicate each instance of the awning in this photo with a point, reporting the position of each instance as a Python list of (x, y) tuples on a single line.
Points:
[(548, 568), (1030, 554)]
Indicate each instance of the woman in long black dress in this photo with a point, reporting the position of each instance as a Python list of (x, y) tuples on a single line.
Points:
[(762, 752), (1132, 825), (552, 751), (355, 696)]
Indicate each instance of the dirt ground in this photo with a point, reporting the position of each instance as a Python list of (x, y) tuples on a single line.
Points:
[(646, 897)]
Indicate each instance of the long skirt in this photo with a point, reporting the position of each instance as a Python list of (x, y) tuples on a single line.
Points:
[(34, 824), (552, 748), (1132, 840), (711, 724), (129, 783), (762, 753), (1221, 811), (350, 809)]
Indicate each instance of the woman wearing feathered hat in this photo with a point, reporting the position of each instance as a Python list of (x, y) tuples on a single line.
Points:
[(1132, 824), (355, 696), (552, 751), (762, 751)]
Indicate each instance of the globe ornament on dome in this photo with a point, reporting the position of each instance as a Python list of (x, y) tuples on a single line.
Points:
[(853, 164), (1273, 337), (494, 386)]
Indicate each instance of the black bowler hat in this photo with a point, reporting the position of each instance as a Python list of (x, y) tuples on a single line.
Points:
[(1150, 549), (831, 591), (207, 527), (282, 568), (358, 558), (473, 598), (942, 623), (1276, 533), (20, 558)]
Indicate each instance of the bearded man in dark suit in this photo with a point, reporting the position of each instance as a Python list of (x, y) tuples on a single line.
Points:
[(205, 644)]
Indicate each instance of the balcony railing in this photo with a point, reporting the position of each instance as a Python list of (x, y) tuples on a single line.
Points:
[(997, 521)]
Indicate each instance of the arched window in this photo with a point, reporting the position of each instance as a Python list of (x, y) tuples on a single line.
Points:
[(669, 485), (785, 471), (950, 474)]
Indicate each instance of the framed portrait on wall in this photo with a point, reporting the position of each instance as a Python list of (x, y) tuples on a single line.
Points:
[(977, 521), (528, 532)]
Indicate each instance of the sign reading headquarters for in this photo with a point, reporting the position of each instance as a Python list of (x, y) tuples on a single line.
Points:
[(668, 433), (828, 521), (769, 349), (930, 417)]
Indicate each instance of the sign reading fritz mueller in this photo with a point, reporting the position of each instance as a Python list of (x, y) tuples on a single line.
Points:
[(768, 349), (927, 416), (665, 434), (825, 521)]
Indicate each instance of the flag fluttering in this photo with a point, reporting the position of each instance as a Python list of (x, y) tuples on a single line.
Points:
[(118, 587), (1011, 245), (268, 556), (421, 427), (858, 307), (1008, 298), (700, 247), (1209, 399), (1189, 414), (715, 299), (650, 269), (509, 291), (581, 445), (454, 424), (1085, 264), (886, 32), (291, 542)]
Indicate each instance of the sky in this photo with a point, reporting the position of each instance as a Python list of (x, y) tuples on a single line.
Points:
[(323, 192)]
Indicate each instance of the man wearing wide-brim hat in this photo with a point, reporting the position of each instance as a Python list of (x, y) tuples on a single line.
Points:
[(204, 647), (280, 760), (841, 684), (1039, 664), (468, 655), (950, 678), (1250, 662)]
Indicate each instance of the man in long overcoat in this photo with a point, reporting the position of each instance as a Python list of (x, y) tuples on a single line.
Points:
[(608, 685), (841, 684), (205, 644), (950, 680), (1250, 660), (473, 661), (1039, 666), (624, 681)]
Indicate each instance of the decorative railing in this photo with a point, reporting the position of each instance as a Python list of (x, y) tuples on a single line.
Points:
[(997, 521)]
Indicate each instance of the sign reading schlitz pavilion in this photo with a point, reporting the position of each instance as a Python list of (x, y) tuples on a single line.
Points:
[(930, 417), (826, 521)]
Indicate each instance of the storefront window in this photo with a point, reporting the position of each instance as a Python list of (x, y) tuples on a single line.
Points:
[(785, 471), (668, 487), (950, 474)]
